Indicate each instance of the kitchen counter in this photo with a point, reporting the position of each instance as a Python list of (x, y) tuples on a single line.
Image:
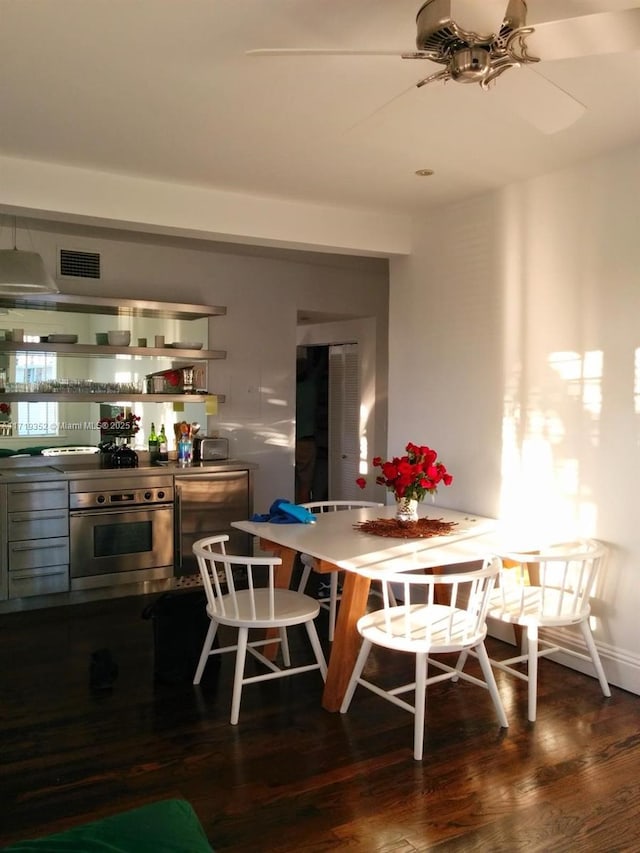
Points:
[(30, 472), (201, 499), (88, 469)]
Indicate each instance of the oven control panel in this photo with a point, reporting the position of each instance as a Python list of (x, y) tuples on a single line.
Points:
[(129, 492)]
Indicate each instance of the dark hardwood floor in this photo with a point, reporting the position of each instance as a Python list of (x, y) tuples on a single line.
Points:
[(292, 777)]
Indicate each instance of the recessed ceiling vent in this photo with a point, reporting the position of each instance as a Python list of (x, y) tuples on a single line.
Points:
[(79, 264)]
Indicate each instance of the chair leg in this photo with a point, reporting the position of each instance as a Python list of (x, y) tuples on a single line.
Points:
[(392, 595), (333, 604), (284, 644), (595, 657), (532, 669), (317, 648), (241, 654), (490, 680), (365, 648), (304, 578), (420, 702), (460, 663), (206, 648)]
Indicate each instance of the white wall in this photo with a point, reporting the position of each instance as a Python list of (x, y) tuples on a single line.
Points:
[(515, 352), (68, 193)]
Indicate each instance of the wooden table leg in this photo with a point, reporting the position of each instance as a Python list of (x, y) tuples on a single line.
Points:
[(346, 642), (282, 581), (441, 592)]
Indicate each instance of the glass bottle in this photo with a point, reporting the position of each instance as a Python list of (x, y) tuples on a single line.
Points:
[(184, 449), (154, 448), (163, 445)]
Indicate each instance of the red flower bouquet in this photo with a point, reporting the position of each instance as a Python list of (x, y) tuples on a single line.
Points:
[(413, 475)]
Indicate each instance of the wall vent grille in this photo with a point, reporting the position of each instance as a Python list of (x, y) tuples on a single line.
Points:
[(79, 264)]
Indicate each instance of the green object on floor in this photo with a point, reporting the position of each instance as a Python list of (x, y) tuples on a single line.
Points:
[(169, 826)]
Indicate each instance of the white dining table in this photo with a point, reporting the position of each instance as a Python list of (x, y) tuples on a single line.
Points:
[(336, 544)]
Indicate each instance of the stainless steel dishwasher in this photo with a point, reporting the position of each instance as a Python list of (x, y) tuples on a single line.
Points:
[(205, 505)]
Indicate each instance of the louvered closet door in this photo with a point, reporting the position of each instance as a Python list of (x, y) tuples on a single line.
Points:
[(344, 421)]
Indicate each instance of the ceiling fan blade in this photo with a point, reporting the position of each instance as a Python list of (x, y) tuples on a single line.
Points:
[(303, 51), (589, 35), (537, 100), (366, 119)]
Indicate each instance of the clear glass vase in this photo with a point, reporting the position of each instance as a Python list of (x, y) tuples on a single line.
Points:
[(406, 509)]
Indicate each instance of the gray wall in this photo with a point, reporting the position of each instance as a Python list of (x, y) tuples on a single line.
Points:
[(263, 291)]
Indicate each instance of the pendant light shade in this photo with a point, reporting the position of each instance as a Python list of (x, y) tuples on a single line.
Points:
[(23, 273)]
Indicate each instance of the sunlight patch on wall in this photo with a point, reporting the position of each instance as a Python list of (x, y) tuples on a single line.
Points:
[(636, 382), (583, 376), (547, 488), (363, 461), (271, 437)]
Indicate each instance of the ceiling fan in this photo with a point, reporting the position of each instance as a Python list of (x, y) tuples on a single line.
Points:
[(481, 56)]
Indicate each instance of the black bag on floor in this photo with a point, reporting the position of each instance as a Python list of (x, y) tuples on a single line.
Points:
[(180, 625)]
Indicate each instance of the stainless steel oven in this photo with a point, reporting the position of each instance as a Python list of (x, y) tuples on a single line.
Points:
[(120, 533)]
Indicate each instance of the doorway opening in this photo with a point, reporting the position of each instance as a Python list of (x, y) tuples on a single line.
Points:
[(312, 423), (336, 418)]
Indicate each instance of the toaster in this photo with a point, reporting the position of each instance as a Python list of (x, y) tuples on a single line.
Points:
[(207, 449)]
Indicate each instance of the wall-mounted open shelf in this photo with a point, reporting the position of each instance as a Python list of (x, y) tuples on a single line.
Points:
[(99, 397), (114, 307), (108, 352)]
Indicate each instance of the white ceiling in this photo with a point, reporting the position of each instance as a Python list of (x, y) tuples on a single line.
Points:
[(164, 89)]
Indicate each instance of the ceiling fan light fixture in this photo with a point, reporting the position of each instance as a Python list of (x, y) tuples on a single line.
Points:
[(438, 32), (468, 56), (23, 273)]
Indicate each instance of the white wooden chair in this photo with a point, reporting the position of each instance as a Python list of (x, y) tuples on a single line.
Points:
[(308, 562), (549, 589), (424, 628), (261, 605)]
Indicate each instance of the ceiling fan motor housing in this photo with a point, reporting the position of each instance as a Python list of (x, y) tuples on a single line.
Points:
[(470, 64), (440, 36)]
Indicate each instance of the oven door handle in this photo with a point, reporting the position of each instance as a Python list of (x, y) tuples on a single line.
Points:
[(118, 510)]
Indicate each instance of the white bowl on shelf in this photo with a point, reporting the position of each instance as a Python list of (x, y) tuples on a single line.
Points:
[(119, 338)]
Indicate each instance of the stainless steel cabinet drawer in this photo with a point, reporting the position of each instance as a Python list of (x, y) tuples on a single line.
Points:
[(41, 524), (41, 552), (38, 581), (22, 497)]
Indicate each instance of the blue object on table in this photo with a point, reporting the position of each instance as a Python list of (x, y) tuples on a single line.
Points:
[(283, 511)]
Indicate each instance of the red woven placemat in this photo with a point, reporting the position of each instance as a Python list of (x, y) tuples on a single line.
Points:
[(423, 528)]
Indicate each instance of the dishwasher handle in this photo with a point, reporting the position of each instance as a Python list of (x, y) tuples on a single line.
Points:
[(177, 518)]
